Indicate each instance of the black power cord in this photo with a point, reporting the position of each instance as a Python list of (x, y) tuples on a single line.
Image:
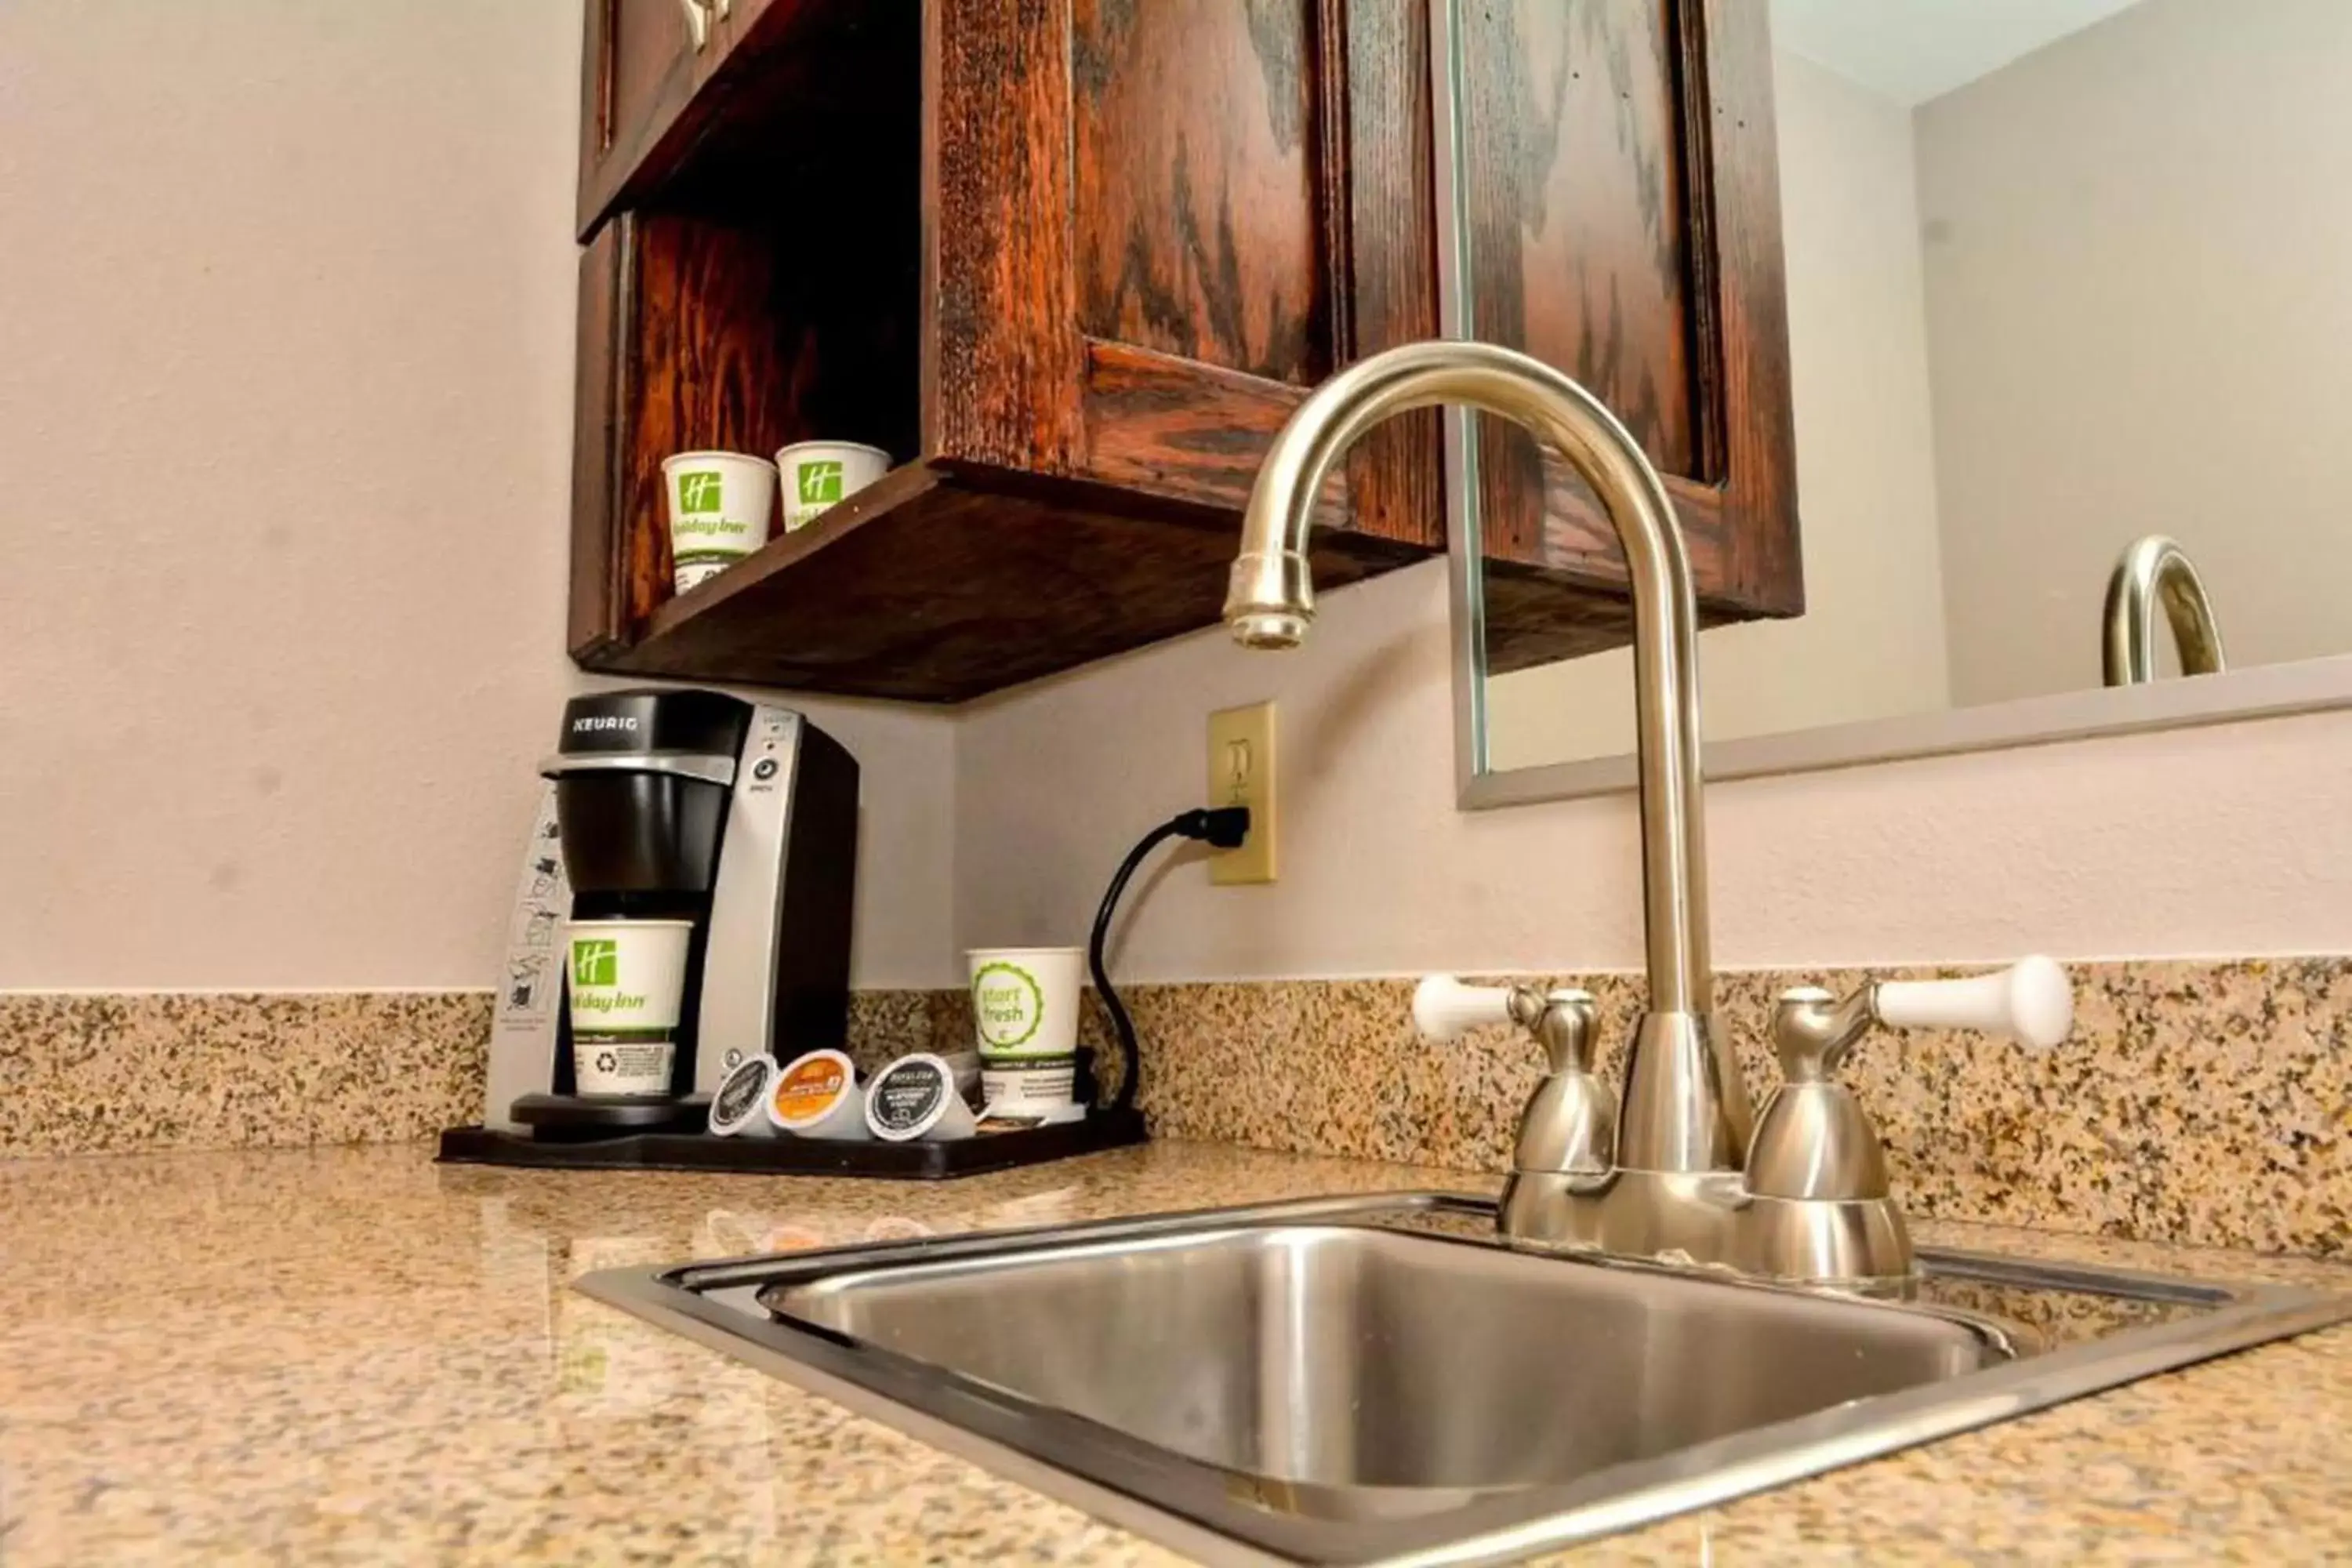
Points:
[(1224, 827)]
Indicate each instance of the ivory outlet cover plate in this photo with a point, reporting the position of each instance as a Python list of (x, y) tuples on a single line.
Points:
[(1241, 772)]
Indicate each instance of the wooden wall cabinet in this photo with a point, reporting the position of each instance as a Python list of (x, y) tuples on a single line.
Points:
[(1072, 263)]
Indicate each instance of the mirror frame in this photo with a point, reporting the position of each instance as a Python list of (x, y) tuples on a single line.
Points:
[(2258, 691)]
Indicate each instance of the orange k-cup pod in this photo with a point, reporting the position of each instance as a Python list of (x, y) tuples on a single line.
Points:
[(816, 1096)]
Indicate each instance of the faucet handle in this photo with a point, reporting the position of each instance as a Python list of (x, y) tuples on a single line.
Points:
[(1570, 1126), (2030, 1002), (1445, 1009), (1565, 1022), (1814, 1140)]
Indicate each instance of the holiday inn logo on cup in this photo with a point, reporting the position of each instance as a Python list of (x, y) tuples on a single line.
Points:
[(595, 962), (698, 491), (596, 977), (820, 482), (1008, 1005)]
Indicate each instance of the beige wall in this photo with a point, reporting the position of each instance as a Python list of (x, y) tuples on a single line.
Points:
[(2139, 289), (2233, 840), (285, 428), (286, 315), (1870, 643)]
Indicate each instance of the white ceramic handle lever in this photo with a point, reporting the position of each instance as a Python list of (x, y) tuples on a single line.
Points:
[(1445, 1009), (2031, 1001)]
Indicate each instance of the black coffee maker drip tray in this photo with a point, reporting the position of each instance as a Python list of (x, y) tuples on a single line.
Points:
[(1103, 1127)]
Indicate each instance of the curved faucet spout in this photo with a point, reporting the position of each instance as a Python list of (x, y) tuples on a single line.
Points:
[(1686, 1107), (2152, 571)]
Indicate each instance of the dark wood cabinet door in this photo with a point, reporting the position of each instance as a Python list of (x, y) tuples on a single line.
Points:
[(642, 62), (1625, 225), (1156, 226)]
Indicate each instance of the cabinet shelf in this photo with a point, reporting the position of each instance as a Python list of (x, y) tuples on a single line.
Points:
[(939, 583)]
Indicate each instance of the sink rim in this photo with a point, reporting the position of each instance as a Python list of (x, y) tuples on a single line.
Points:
[(1196, 1506)]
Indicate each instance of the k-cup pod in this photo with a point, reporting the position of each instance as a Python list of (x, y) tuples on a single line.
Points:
[(817, 1096), (966, 1065), (1025, 1002), (627, 980), (1044, 1090), (740, 1106), (819, 475), (719, 503), (916, 1097)]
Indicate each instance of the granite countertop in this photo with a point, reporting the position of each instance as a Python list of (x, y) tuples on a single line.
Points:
[(351, 1355)]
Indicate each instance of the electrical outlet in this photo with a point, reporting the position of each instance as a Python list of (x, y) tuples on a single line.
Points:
[(1241, 772)]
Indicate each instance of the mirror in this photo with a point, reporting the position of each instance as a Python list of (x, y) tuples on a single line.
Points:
[(2061, 276)]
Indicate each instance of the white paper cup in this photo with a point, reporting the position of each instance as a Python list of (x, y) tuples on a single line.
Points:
[(916, 1097), (1044, 1090), (821, 474), (628, 978), (719, 504), (817, 1096), (1024, 1001), (739, 1108)]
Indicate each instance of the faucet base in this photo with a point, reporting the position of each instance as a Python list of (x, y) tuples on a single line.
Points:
[(1686, 1105), (1708, 1219)]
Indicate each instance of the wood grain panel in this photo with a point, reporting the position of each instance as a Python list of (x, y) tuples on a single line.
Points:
[(1003, 351), (641, 72), (1750, 314), (1195, 197), (1574, 124), (1700, 203), (1170, 426), (1380, 51), (596, 617), (1535, 617)]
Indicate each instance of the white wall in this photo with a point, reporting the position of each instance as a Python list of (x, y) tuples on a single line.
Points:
[(2139, 290), (286, 315), (1871, 642)]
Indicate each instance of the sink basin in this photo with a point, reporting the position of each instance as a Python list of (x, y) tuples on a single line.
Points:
[(1349, 1356), (1377, 1380)]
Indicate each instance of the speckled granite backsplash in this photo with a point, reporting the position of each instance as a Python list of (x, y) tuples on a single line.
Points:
[(85, 1073), (2208, 1103)]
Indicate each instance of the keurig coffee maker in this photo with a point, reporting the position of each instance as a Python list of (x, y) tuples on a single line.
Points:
[(727, 825)]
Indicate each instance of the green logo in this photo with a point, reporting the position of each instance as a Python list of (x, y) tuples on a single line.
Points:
[(1008, 1003), (820, 482), (697, 492), (595, 961)]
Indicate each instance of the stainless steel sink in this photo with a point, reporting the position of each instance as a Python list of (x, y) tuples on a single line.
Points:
[(1376, 1379), (1345, 1356)]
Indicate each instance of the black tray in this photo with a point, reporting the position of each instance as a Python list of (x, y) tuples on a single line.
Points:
[(1105, 1127)]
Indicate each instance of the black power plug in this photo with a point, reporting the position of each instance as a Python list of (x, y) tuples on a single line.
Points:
[(1222, 828)]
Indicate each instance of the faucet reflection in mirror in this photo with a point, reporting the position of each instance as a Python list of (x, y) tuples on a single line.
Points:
[(1676, 1176), (2156, 570)]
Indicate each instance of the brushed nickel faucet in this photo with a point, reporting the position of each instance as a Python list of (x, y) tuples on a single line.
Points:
[(2155, 571), (1673, 1174), (1686, 1107)]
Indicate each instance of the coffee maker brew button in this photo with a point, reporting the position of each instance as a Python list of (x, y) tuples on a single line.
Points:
[(765, 768)]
